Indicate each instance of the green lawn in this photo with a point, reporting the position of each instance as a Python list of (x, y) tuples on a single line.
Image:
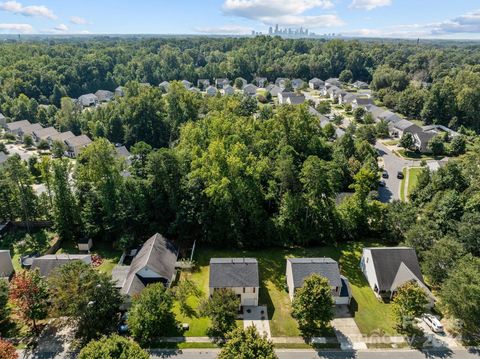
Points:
[(110, 255), (370, 314), (411, 174)]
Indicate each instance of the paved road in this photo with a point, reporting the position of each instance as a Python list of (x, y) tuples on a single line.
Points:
[(299, 354), (392, 164), (311, 354)]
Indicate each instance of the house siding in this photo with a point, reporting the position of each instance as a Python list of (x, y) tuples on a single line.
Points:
[(368, 269)]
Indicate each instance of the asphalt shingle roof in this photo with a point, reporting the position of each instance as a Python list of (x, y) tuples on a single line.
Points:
[(46, 264), (387, 262), (304, 267), (233, 273)]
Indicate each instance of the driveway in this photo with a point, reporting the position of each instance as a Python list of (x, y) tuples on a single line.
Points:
[(437, 340), (392, 164), (258, 317), (18, 149), (346, 330)]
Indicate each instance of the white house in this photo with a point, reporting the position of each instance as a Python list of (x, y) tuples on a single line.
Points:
[(388, 268), (154, 262), (237, 274), (298, 269), (290, 98)]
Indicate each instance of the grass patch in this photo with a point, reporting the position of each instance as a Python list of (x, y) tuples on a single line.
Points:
[(369, 313), (163, 345), (391, 142), (413, 174), (402, 186), (417, 155), (110, 255)]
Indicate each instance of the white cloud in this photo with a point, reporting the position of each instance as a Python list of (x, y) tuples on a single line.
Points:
[(468, 24), (61, 28), (282, 12), (17, 28), (369, 4), (77, 20), (224, 30), (33, 10)]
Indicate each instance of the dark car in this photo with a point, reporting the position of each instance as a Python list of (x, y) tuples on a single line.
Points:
[(400, 175), (384, 174), (382, 183)]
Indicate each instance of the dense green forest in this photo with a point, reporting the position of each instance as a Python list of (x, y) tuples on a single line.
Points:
[(435, 82)]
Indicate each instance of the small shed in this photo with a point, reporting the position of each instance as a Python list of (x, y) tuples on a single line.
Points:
[(85, 244)]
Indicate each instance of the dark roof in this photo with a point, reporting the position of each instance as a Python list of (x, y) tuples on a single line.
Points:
[(304, 267), (387, 262), (159, 255), (233, 272), (363, 101), (46, 264)]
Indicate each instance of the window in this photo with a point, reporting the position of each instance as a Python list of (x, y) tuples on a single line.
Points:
[(243, 289), (253, 289)]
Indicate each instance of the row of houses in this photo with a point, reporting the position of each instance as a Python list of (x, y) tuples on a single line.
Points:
[(74, 144), (101, 96)]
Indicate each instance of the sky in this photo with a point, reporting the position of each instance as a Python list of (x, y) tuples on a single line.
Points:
[(447, 19)]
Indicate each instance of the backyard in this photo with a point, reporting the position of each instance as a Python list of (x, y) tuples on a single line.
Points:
[(370, 314), (409, 182)]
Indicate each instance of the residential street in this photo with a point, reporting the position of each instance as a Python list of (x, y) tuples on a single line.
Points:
[(311, 354), (392, 164)]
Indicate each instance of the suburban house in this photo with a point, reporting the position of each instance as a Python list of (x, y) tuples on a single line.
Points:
[(165, 85), (250, 90), (123, 153), (186, 84), (315, 83), (220, 83), (360, 85), (15, 127), (438, 129), (28, 130), (104, 95), (389, 116), (47, 263), (332, 92), (88, 100), (334, 81), (290, 98), (281, 82), (203, 83), (298, 269), (6, 265), (362, 102), (388, 268), (119, 92), (155, 262), (421, 139), (61, 137), (227, 90), (237, 274), (211, 91), (260, 81), (346, 98), (274, 90), (76, 144), (43, 134), (297, 84), (397, 129), (194, 89)]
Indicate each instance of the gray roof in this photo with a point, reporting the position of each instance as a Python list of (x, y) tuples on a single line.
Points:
[(88, 99), (78, 141), (28, 130), (46, 264), (164, 84), (6, 266), (233, 273), (294, 98), (364, 101), (316, 80), (63, 136), (304, 267), (186, 83), (387, 262), (250, 89), (45, 133), (122, 152), (12, 126), (104, 95), (159, 255), (274, 89), (333, 81), (375, 111), (349, 97), (402, 125), (3, 157), (389, 116)]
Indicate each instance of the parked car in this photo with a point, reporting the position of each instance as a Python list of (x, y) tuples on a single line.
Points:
[(384, 174), (400, 175), (382, 183), (433, 323)]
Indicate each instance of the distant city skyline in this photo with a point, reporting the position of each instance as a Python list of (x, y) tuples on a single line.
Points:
[(372, 18)]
